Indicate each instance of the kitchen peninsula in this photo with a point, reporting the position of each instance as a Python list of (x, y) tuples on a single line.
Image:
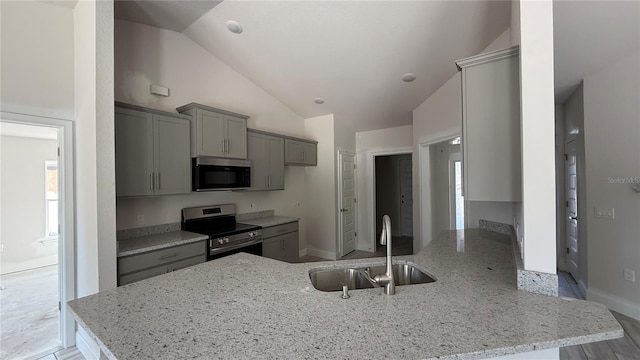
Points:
[(249, 307)]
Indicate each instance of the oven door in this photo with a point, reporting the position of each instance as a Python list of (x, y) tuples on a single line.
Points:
[(220, 174), (251, 246)]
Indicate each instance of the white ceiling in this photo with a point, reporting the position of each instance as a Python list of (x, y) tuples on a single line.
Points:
[(589, 35), (350, 53), (353, 53), (170, 15)]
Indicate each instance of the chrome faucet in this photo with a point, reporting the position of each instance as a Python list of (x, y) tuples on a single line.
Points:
[(386, 279)]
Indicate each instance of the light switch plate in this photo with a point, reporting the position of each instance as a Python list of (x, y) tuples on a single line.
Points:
[(629, 275), (608, 213)]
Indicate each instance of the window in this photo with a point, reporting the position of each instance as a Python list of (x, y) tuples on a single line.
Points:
[(51, 198)]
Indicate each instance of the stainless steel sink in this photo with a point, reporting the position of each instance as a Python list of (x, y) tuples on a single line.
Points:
[(355, 277)]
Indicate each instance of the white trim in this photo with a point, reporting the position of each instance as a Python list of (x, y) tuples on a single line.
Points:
[(614, 302), (453, 211), (66, 250), (86, 345), (488, 57), (425, 226), (322, 254), (341, 153), (302, 252), (371, 184), (583, 288)]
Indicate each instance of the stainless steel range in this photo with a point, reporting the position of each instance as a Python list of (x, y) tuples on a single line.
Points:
[(226, 237)]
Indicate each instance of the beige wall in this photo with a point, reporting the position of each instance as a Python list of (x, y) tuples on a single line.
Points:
[(37, 59), (397, 140), (612, 152), (23, 222)]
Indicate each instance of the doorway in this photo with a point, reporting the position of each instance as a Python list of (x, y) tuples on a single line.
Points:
[(571, 218), (394, 197), (456, 198), (347, 199), (36, 248)]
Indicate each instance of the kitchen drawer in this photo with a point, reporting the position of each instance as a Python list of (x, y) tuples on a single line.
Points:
[(155, 258), (141, 275), (186, 263), (279, 229)]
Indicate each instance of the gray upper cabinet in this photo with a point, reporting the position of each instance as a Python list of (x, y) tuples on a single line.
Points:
[(491, 126), (266, 153), (300, 152), (152, 152), (216, 132)]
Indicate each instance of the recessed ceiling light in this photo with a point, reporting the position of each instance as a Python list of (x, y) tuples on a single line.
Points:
[(234, 27), (318, 100), (408, 77)]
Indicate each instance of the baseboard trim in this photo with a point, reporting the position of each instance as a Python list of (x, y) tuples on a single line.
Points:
[(302, 252), (583, 288), (613, 302), (322, 254), (86, 345)]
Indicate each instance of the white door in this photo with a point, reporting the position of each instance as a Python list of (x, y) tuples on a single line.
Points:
[(347, 203), (572, 209), (406, 197)]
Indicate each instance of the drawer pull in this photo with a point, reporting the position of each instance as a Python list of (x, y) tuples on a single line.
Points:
[(169, 256)]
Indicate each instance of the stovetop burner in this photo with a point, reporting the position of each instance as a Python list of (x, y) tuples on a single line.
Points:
[(214, 221)]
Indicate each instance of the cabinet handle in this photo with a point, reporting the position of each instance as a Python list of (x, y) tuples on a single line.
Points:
[(303, 156), (150, 181), (169, 256), (266, 182), (269, 180), (226, 146), (222, 143), (159, 182)]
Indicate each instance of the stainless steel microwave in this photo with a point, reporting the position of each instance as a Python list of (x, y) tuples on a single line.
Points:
[(210, 174)]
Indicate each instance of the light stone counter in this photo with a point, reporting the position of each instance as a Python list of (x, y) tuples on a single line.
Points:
[(157, 241), (269, 221), (248, 307)]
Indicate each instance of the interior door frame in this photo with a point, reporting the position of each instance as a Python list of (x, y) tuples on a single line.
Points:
[(66, 213), (341, 153), (571, 145), (407, 157), (453, 158), (372, 186)]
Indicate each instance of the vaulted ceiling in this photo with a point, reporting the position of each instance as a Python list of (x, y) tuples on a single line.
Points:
[(352, 54)]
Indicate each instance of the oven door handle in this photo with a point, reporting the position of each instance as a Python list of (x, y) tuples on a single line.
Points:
[(218, 250)]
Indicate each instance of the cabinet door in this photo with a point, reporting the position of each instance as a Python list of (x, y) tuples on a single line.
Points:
[(134, 153), (257, 153), (491, 131), (236, 130), (273, 248), (210, 133), (293, 151), (141, 275), (172, 155), (290, 242), (309, 154), (275, 153)]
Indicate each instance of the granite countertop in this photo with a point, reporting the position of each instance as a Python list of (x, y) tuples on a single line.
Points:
[(269, 221), (157, 241), (244, 306)]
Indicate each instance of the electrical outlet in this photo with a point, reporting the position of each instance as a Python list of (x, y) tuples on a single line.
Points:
[(253, 206), (629, 275), (140, 219)]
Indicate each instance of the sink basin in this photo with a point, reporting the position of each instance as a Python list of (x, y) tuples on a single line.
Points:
[(354, 278)]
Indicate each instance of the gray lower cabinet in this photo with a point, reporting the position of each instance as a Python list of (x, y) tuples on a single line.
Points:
[(266, 153), (280, 242), (143, 266), (299, 152)]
